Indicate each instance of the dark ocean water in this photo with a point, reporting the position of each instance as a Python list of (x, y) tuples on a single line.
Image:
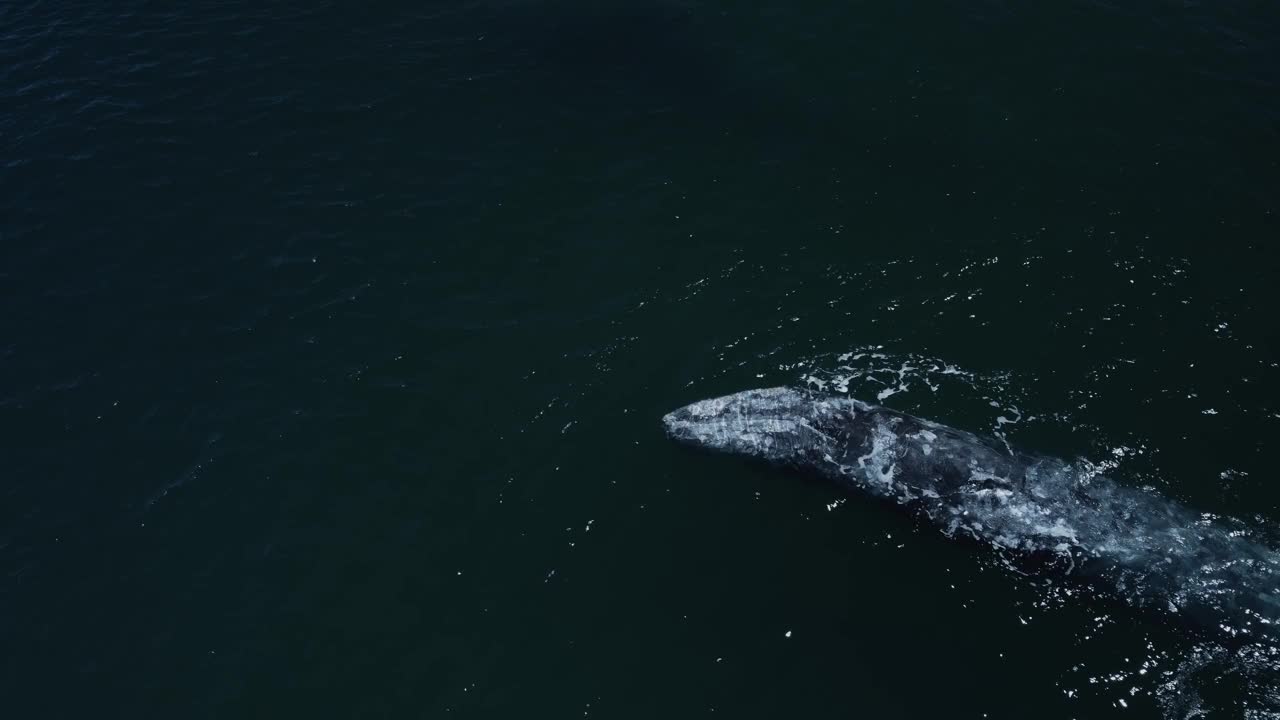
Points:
[(335, 339)]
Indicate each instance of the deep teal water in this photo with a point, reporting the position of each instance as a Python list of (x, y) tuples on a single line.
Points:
[(335, 339)]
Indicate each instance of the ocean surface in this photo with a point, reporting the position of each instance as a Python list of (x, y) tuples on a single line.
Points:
[(335, 338)]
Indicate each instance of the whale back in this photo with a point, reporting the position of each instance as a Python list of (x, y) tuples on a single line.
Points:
[(1151, 550)]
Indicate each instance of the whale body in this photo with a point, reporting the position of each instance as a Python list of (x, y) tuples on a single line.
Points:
[(1149, 549)]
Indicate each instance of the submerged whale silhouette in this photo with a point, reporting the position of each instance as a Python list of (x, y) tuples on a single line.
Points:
[(1151, 550)]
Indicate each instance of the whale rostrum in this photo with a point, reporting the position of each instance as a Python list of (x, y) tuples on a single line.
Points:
[(1149, 549)]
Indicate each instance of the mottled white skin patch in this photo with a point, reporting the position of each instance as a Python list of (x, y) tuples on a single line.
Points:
[(1151, 550)]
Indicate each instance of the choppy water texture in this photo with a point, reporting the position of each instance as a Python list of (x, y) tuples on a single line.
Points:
[(335, 342)]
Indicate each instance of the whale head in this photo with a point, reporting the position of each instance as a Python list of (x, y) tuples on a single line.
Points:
[(782, 425)]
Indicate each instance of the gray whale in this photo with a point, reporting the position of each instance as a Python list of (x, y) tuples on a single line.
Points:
[(1150, 550)]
